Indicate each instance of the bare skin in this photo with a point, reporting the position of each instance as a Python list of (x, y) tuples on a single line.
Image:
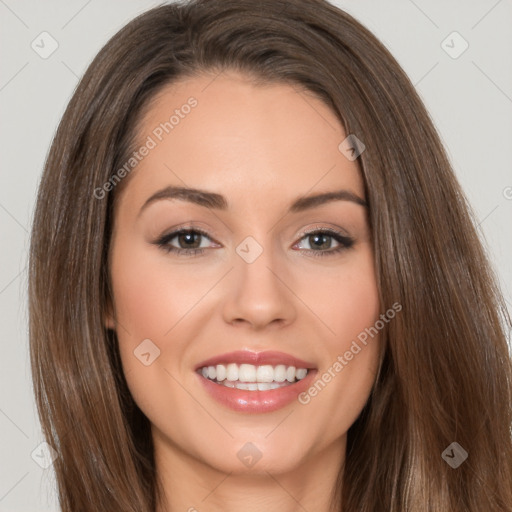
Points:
[(261, 147)]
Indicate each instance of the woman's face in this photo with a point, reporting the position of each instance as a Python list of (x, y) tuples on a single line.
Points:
[(266, 292)]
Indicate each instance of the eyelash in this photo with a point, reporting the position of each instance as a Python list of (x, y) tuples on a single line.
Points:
[(163, 242)]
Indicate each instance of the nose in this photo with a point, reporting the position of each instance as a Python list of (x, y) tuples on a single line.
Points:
[(259, 293)]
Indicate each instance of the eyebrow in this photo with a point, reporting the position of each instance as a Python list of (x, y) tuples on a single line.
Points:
[(219, 202)]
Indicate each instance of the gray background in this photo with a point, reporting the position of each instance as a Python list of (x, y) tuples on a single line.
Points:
[(469, 98)]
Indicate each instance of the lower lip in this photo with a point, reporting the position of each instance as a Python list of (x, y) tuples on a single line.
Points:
[(242, 400)]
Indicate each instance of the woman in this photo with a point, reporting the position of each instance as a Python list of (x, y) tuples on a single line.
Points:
[(255, 282)]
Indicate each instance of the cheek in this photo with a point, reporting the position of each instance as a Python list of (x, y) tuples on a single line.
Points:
[(150, 296), (149, 301), (348, 301), (350, 309)]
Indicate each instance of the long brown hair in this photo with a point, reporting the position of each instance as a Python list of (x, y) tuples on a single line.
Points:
[(446, 370)]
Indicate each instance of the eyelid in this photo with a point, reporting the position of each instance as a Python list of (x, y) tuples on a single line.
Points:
[(207, 232), (173, 233), (324, 227), (344, 240), (178, 230)]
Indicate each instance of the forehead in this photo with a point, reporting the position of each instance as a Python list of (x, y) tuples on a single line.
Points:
[(225, 133)]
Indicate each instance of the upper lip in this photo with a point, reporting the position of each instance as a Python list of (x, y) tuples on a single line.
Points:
[(256, 358)]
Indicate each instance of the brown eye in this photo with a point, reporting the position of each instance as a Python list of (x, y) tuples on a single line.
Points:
[(320, 242), (188, 241)]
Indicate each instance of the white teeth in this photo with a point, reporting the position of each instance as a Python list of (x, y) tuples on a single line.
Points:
[(250, 377), (280, 373), (265, 373), (253, 386), (290, 374), (232, 372), (301, 373), (247, 373), (221, 372)]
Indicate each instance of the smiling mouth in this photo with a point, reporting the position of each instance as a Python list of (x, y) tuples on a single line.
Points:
[(250, 377)]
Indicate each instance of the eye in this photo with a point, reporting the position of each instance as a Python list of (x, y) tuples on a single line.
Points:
[(321, 239), (188, 240)]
